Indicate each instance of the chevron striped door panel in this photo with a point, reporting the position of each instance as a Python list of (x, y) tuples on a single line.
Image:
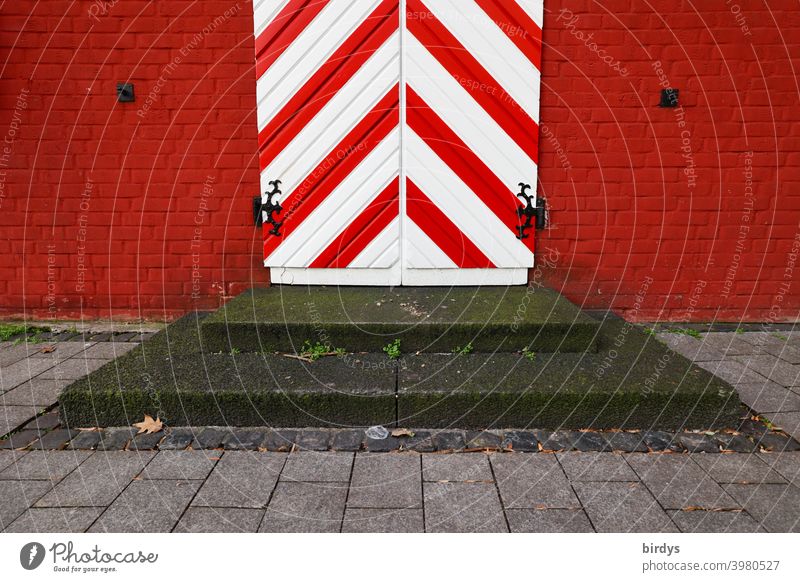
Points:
[(395, 137)]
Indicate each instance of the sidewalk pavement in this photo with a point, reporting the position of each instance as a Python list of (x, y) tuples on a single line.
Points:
[(216, 490)]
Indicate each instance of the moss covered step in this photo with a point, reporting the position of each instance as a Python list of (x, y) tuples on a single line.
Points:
[(633, 382), (429, 319)]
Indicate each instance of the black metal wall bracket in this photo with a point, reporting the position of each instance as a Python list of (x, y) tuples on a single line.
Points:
[(264, 211), (535, 216)]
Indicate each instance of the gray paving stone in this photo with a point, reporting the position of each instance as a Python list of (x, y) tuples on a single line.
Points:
[(421, 442), (697, 443), (279, 440), (776, 442), (520, 441), (733, 372), (72, 369), (463, 507), (54, 439), (347, 440), (12, 417), (147, 506), (61, 351), (532, 481), (220, 520), (177, 439), (768, 397), (386, 480), (22, 371), (382, 445), (383, 521), (305, 507), (679, 483), (17, 497), (181, 465), (98, 480), (771, 344), (210, 438), (19, 440), (772, 368), (11, 354), (448, 440), (55, 520), (737, 469), (244, 440), (85, 439), (145, 442), (786, 464), (313, 440), (9, 457), (714, 522), (730, 344), (788, 421), (548, 521), (588, 441), (312, 466), (241, 479), (108, 350), (776, 507), (625, 442), (483, 440), (44, 422), (623, 507), (558, 440), (45, 465), (694, 349), (657, 440), (457, 467), (596, 467), (738, 443), (115, 439), (40, 392)]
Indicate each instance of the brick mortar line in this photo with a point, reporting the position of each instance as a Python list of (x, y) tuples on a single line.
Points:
[(349, 486)]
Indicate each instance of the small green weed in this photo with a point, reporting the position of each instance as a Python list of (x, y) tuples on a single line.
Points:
[(393, 350), (686, 331), (319, 350), (8, 330), (467, 349), (529, 354)]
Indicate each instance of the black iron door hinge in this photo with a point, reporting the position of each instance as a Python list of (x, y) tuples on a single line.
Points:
[(535, 216), (265, 210)]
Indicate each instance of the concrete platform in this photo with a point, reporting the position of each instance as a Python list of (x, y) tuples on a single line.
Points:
[(429, 319), (633, 382)]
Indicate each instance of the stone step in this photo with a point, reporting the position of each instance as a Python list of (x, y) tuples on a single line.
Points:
[(632, 382), (429, 319)]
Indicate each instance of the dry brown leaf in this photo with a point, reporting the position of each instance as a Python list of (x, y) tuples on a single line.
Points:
[(148, 425), (47, 350), (402, 432)]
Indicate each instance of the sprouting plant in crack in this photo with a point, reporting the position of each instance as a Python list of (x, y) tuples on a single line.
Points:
[(686, 331), (235, 351), (529, 354), (463, 351), (393, 349), (319, 350)]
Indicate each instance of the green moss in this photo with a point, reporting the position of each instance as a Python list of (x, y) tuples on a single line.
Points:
[(393, 350)]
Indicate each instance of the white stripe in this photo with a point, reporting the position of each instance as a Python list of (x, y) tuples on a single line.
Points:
[(347, 109), (534, 8), (490, 46), (339, 277), (264, 12), (466, 118), (383, 252), (464, 277), (461, 205), (420, 252), (334, 214), (307, 53)]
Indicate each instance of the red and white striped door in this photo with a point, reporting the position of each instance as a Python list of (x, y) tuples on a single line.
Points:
[(398, 139)]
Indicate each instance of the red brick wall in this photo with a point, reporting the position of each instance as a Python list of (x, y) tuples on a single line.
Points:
[(144, 209)]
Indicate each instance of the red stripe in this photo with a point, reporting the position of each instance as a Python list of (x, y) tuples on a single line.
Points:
[(362, 231), (517, 25), (441, 230), (463, 66), (328, 80), (478, 177), (283, 30), (343, 159)]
